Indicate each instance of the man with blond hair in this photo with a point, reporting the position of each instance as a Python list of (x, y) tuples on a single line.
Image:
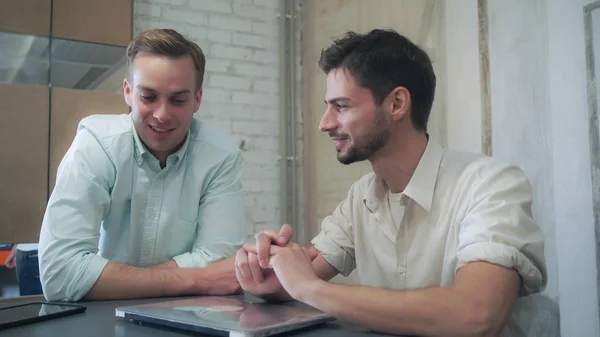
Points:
[(148, 203)]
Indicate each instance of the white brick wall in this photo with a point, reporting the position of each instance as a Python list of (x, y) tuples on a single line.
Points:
[(241, 88)]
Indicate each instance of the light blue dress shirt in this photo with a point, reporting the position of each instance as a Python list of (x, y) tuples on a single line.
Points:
[(113, 202)]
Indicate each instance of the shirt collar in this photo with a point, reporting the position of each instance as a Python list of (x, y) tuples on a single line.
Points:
[(421, 186), (177, 157), (141, 149)]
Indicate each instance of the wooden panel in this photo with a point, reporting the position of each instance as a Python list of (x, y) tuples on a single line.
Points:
[(25, 16), (106, 21), (69, 107), (23, 161)]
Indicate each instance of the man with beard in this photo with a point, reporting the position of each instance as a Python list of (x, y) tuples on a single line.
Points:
[(443, 243), (149, 203)]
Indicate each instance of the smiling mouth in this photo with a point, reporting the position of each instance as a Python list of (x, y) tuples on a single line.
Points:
[(339, 142), (159, 130)]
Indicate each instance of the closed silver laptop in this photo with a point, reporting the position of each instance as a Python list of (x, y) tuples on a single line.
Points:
[(226, 316)]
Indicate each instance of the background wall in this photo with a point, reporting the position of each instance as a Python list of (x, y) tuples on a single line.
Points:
[(463, 87), (540, 122), (576, 255), (241, 88), (521, 124)]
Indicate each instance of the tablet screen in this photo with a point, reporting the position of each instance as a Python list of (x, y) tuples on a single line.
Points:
[(32, 310)]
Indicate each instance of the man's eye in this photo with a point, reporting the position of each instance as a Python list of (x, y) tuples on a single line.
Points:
[(147, 98), (179, 101)]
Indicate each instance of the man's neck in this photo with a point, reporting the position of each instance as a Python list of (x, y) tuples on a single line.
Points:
[(162, 156), (397, 162)]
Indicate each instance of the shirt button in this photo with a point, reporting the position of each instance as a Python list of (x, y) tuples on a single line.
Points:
[(401, 269)]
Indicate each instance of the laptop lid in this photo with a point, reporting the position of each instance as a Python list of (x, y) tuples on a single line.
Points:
[(226, 316)]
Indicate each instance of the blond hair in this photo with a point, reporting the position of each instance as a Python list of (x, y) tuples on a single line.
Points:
[(167, 42)]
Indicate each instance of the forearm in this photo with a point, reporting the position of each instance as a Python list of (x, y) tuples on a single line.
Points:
[(424, 312), (122, 281)]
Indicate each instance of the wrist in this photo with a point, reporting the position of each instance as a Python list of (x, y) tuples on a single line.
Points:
[(200, 280), (188, 281), (310, 291)]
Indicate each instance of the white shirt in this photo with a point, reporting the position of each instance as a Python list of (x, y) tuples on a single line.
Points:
[(457, 208)]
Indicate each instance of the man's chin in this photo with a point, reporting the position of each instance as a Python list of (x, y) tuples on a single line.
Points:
[(346, 160), (350, 156)]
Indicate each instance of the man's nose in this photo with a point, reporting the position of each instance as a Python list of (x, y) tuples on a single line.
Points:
[(328, 121), (162, 113)]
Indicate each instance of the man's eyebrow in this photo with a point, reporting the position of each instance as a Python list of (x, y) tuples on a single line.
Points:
[(141, 87), (179, 92), (337, 100)]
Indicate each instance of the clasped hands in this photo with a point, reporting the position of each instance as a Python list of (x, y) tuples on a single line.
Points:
[(274, 265)]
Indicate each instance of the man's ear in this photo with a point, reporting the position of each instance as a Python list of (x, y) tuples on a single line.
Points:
[(400, 101), (197, 100), (127, 93)]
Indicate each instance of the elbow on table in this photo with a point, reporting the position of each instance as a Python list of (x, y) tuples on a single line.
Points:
[(57, 286), (56, 295), (56, 291)]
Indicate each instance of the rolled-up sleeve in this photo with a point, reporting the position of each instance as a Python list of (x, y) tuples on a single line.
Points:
[(335, 242), (221, 217), (499, 227), (68, 260)]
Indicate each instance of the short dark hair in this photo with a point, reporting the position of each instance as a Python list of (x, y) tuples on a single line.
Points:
[(382, 60)]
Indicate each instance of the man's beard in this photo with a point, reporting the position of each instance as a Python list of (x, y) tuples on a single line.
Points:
[(373, 140)]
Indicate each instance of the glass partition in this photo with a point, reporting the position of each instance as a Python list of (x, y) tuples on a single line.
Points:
[(59, 62), (24, 59), (87, 66)]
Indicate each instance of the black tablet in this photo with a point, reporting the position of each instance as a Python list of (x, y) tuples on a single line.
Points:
[(36, 312)]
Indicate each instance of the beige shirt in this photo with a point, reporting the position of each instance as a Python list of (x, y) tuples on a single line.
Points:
[(457, 208)]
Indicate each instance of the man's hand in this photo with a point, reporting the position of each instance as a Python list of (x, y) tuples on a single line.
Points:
[(11, 260), (293, 266), (219, 278), (265, 239), (253, 279), (252, 266), (252, 263)]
